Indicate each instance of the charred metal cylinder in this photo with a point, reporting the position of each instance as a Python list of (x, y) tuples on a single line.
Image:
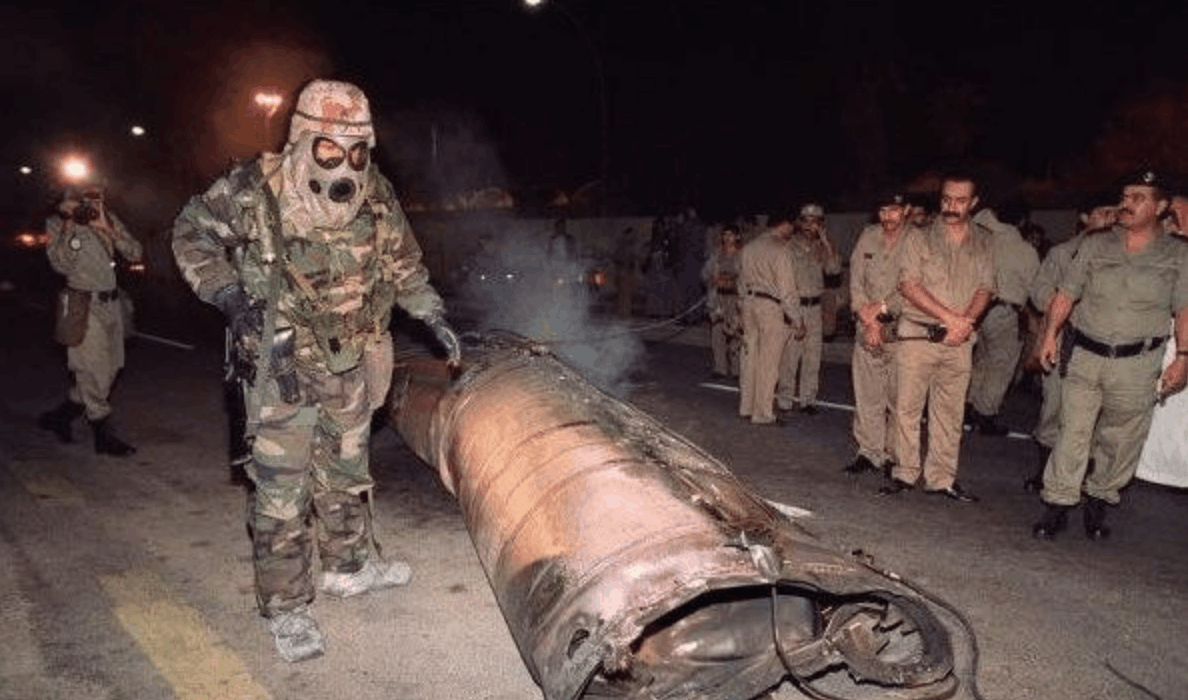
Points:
[(628, 562)]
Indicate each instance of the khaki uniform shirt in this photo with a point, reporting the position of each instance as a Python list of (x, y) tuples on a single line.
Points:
[(812, 263), (874, 269), (951, 272), (1052, 271), (721, 301), (765, 266), (1127, 297), (1015, 264), (84, 256)]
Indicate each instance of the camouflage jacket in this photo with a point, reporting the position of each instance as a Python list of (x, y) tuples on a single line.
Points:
[(337, 287)]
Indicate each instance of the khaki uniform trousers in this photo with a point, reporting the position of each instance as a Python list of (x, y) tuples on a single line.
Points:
[(995, 358), (97, 360), (310, 469), (1105, 407), (1047, 426), (764, 337), (801, 360), (938, 374), (874, 374), (726, 347)]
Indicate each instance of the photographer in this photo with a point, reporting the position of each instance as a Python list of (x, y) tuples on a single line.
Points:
[(84, 238)]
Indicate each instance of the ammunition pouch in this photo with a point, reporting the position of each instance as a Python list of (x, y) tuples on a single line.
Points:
[(340, 343)]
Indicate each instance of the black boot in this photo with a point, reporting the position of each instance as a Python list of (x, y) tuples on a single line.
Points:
[(106, 443), (1054, 521), (1095, 515), (1035, 482), (59, 419)]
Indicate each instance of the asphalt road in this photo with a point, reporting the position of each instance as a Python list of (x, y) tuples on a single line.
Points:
[(131, 578)]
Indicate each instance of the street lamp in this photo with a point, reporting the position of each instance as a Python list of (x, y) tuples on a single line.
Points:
[(604, 109), (269, 101)]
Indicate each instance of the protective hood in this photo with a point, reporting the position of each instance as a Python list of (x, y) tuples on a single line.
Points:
[(325, 180)]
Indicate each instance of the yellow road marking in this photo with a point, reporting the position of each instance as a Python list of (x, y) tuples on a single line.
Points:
[(186, 651), (52, 487)]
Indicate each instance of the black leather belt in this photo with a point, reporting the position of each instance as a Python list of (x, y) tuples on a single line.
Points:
[(764, 295), (111, 295), (1106, 350), (810, 301)]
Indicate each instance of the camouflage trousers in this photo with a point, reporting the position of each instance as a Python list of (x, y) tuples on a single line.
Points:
[(312, 483)]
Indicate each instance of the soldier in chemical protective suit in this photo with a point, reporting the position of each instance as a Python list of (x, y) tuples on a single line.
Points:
[(84, 239), (306, 252)]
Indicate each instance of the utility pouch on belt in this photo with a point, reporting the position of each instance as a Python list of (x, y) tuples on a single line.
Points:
[(339, 344), (70, 316), (377, 369)]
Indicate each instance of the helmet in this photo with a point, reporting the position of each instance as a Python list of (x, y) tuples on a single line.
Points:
[(332, 108)]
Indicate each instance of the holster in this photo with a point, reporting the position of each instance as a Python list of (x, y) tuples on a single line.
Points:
[(1066, 351), (284, 366)]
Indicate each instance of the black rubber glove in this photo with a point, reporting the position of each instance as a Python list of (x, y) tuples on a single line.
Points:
[(448, 339), (243, 318)]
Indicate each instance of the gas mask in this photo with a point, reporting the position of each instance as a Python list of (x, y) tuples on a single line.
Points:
[(325, 170), (328, 175)]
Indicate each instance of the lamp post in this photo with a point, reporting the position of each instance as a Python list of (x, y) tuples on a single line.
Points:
[(603, 106)]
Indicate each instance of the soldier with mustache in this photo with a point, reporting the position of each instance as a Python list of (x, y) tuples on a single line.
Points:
[(1120, 291)]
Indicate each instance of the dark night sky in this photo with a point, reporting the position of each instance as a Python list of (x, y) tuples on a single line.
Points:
[(726, 105)]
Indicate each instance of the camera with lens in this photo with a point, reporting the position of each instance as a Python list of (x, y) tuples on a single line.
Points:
[(84, 213)]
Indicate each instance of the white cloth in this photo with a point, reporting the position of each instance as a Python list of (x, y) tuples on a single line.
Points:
[(1165, 453)]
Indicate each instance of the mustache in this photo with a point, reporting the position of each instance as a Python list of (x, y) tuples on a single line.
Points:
[(951, 214)]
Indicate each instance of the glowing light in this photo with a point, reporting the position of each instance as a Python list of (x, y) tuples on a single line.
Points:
[(75, 169), (268, 100), (533, 3), (137, 130), (27, 240), (25, 170)]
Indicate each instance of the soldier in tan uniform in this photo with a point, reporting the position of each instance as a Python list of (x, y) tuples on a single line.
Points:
[(1125, 284), (947, 280), (84, 238), (770, 313), (1097, 217), (814, 257), (720, 275), (306, 252), (874, 282), (996, 354)]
